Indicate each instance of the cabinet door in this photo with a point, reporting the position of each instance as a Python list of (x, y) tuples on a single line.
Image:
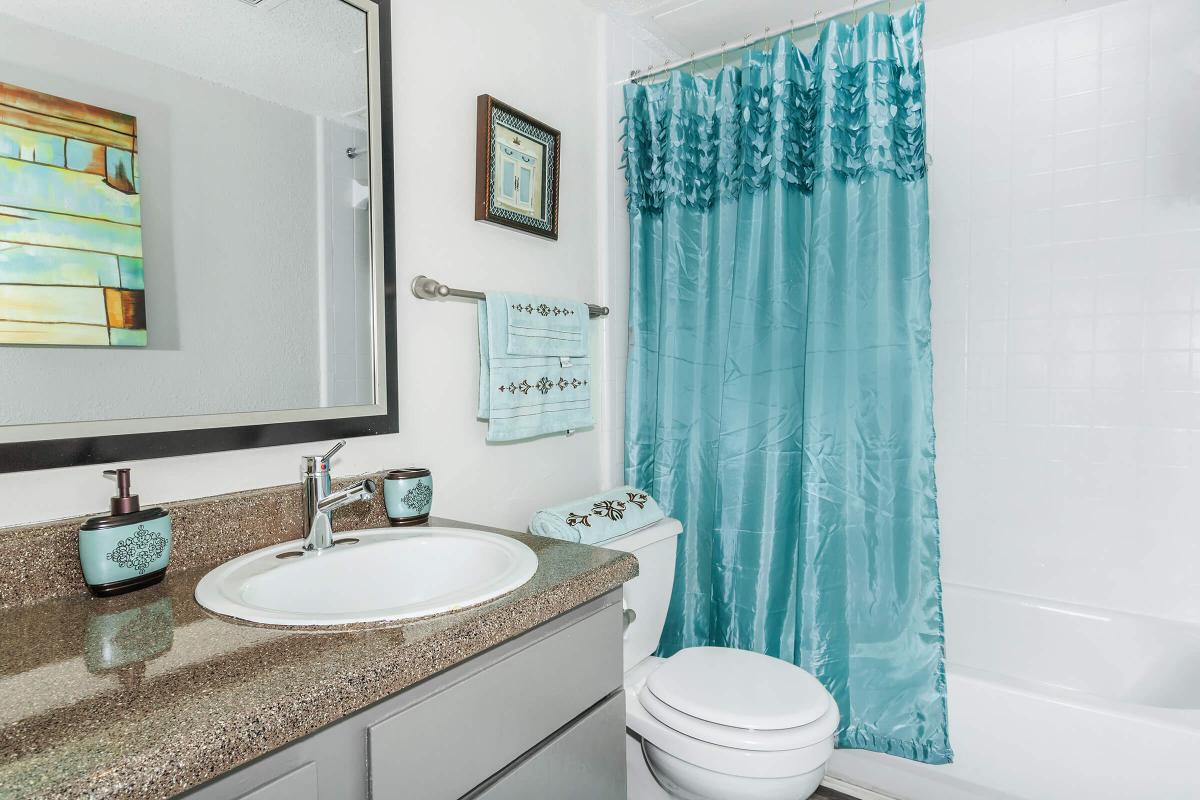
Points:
[(448, 744), (584, 761), (329, 765), (299, 784)]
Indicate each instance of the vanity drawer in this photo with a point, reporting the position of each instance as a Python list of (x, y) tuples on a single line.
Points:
[(585, 761), (451, 742)]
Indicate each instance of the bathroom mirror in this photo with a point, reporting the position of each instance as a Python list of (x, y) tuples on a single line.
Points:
[(195, 227)]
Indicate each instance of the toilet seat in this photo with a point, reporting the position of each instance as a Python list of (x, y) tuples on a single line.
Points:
[(736, 698), (741, 738), (725, 760), (739, 689), (733, 685)]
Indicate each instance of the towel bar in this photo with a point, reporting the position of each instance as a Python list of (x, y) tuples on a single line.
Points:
[(428, 289)]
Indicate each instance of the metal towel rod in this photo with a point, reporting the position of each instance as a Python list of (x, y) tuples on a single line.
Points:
[(428, 289)]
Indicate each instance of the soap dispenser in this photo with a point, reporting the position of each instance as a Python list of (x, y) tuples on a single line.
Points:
[(127, 549)]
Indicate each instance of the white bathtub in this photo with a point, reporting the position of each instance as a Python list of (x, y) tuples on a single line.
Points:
[(1052, 701)]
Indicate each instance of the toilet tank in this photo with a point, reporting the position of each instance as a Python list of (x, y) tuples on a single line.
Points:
[(648, 595)]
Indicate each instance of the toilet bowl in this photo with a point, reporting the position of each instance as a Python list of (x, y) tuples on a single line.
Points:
[(713, 723)]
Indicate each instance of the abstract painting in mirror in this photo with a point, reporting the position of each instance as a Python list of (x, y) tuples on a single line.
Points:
[(71, 268)]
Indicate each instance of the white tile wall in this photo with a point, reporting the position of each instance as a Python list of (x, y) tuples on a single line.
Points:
[(348, 376), (1065, 195)]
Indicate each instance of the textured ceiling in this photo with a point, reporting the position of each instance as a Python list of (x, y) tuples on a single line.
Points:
[(305, 54)]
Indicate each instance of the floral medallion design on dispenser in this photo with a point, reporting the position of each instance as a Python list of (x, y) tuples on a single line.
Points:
[(139, 550)]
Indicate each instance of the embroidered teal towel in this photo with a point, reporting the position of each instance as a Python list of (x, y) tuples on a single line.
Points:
[(522, 396), (596, 519), (544, 326)]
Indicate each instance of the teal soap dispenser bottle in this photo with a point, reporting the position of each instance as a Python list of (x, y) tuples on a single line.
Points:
[(127, 549)]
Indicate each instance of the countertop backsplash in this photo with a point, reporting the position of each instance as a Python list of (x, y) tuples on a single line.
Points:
[(41, 561)]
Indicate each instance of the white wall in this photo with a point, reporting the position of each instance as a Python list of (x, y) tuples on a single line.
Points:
[(1066, 222), (624, 50), (444, 54)]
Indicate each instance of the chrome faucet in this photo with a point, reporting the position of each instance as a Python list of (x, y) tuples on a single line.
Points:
[(320, 502)]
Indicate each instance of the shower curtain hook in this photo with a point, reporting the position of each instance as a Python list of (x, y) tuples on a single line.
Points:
[(724, 47), (854, 8)]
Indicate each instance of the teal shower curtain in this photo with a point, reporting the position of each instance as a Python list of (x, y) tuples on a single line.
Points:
[(779, 395)]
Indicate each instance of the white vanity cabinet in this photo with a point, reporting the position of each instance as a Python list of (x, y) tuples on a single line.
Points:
[(541, 716)]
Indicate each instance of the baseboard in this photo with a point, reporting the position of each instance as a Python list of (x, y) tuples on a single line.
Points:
[(839, 785)]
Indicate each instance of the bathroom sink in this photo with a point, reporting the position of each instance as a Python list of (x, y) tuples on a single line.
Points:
[(369, 576)]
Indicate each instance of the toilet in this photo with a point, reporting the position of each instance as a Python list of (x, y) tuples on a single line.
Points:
[(712, 723)]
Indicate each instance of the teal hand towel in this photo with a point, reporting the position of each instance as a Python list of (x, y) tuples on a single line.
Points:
[(544, 326), (599, 518), (522, 396)]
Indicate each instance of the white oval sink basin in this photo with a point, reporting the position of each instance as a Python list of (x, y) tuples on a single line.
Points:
[(387, 575)]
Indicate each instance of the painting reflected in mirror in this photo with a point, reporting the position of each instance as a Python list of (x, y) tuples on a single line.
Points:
[(71, 270)]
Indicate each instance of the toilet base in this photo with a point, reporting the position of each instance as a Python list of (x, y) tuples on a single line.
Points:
[(642, 785), (656, 775)]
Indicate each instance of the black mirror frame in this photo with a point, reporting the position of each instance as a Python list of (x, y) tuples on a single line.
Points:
[(50, 453)]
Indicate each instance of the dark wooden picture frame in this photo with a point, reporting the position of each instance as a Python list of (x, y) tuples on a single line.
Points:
[(490, 112)]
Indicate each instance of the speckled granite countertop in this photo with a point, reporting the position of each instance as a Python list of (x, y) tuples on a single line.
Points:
[(146, 695)]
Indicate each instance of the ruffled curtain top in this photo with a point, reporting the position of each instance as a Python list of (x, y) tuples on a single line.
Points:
[(851, 108)]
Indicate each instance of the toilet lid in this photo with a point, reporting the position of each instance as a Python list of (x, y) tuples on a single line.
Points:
[(761, 741), (739, 689)]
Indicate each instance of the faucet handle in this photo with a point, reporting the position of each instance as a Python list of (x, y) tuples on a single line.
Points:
[(333, 450), (316, 465)]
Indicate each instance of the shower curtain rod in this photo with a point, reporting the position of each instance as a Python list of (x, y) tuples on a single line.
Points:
[(817, 18)]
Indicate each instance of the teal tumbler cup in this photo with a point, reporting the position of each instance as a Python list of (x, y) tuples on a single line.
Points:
[(408, 495)]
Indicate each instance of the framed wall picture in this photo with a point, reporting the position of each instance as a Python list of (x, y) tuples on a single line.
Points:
[(516, 170)]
